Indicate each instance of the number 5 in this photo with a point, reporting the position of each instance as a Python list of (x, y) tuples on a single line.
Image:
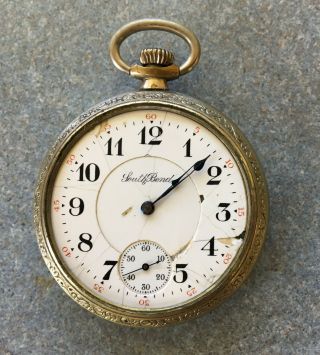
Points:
[(184, 274)]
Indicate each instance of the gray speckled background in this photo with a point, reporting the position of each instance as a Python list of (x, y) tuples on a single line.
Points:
[(260, 65)]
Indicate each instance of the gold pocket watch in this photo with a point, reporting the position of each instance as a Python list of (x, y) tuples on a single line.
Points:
[(151, 207)]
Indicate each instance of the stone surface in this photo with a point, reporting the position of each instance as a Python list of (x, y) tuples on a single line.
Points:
[(260, 65)]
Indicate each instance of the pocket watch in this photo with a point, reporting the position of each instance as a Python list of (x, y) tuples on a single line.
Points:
[(151, 207)]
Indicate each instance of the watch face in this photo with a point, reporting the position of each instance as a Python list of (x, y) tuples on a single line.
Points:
[(148, 210)]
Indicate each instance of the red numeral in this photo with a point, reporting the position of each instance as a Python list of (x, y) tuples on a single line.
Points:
[(196, 130), (227, 258), (240, 212), (191, 292), (151, 116), (70, 160), (144, 302), (56, 205), (98, 288), (229, 163), (66, 251), (107, 127)]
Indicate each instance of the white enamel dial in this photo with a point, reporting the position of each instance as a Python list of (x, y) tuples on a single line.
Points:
[(194, 216)]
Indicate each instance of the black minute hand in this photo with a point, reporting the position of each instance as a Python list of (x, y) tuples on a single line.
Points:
[(147, 207), (174, 183)]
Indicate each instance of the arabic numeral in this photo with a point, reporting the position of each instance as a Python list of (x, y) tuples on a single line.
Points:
[(214, 172), (183, 275), (77, 206), (210, 247), (131, 258), (224, 215), (85, 244), (91, 172), (111, 263), (145, 287), (155, 132), (188, 148), (145, 247), (118, 147)]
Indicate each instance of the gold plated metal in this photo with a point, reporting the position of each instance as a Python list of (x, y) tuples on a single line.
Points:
[(155, 76), (156, 56), (252, 175), (155, 72)]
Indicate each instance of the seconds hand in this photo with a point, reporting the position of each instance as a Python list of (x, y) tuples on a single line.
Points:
[(148, 206), (144, 267)]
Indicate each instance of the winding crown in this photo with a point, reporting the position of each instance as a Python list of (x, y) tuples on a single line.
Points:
[(156, 56)]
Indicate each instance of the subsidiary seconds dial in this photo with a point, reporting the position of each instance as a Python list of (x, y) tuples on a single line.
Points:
[(145, 267)]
